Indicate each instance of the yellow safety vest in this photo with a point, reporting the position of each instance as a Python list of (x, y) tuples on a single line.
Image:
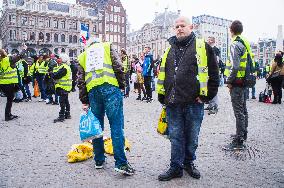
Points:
[(202, 69), (125, 65), (267, 68), (66, 81), (8, 75), (103, 75), (41, 68), (243, 62), (227, 68), (20, 67)]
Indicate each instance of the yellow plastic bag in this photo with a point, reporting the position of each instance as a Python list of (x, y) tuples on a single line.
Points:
[(162, 124), (109, 148), (80, 152)]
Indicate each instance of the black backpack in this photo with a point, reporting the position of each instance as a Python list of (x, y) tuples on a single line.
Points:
[(250, 77)]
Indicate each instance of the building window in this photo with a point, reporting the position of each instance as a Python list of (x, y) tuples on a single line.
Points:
[(70, 38), (75, 39), (32, 21), (122, 29), (114, 38), (118, 19), (32, 36), (41, 22), (24, 35), (107, 17), (55, 23), (115, 18), (122, 19), (95, 29), (41, 37), (100, 27), (107, 27), (47, 37), (63, 24), (111, 28), (62, 38), (47, 23), (116, 9), (111, 17), (111, 8), (55, 37), (24, 20), (115, 28), (107, 37)]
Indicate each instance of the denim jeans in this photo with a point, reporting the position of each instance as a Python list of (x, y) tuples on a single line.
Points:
[(127, 84), (252, 92), (184, 124), (40, 81), (238, 98), (109, 99)]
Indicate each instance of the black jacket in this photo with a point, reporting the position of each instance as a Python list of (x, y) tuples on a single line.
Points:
[(183, 88)]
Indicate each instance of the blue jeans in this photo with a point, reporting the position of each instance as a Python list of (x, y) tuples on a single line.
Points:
[(184, 124), (39, 79), (252, 92), (109, 99)]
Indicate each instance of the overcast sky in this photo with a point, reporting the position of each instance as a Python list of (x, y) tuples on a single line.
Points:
[(260, 17)]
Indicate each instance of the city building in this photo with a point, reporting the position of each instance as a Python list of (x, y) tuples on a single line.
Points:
[(154, 35), (209, 26), (50, 27)]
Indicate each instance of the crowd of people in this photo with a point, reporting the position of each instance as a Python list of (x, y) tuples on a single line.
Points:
[(188, 76)]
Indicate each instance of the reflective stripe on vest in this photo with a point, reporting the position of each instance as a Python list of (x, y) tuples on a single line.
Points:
[(66, 81), (227, 68), (105, 74), (202, 69), (8, 75), (162, 75)]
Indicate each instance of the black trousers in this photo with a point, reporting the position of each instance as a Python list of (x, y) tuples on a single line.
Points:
[(9, 90), (148, 88), (276, 84), (64, 104)]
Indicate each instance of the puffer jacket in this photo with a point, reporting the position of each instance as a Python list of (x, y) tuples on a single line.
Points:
[(184, 88)]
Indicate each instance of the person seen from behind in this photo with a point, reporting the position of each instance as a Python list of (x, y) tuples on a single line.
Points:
[(101, 83)]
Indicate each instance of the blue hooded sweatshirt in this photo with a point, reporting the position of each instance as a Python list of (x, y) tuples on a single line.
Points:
[(147, 68)]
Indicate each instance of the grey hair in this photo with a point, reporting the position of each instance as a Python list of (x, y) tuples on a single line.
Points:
[(186, 19)]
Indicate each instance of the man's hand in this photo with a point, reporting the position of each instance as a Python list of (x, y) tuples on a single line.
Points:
[(230, 87), (198, 100), (161, 99), (85, 107)]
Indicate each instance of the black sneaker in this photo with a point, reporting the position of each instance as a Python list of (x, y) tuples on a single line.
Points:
[(59, 119), (235, 145), (99, 164), (68, 116), (192, 171), (144, 98), (125, 169), (213, 110), (253, 97), (11, 117), (170, 174)]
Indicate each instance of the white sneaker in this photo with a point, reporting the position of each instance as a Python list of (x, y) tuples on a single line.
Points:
[(40, 100), (46, 100)]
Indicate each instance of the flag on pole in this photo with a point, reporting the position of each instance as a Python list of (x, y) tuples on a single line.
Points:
[(84, 34)]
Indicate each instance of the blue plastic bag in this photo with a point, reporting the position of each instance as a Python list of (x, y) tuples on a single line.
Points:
[(90, 127)]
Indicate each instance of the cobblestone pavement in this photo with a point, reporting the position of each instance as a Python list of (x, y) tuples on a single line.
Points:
[(33, 149)]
